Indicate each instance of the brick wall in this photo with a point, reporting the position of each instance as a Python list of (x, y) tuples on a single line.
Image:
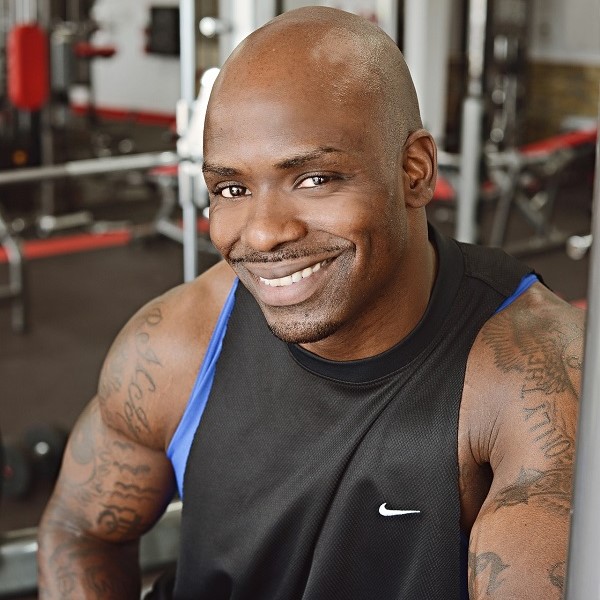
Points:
[(557, 91)]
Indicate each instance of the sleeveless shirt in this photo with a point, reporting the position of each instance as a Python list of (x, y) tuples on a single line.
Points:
[(297, 460)]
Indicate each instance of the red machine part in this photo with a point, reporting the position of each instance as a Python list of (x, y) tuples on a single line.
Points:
[(27, 67), (87, 50)]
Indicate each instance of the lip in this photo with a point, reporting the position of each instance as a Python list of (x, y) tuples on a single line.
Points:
[(288, 295), (276, 270)]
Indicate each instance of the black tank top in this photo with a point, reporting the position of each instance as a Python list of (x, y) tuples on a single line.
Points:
[(295, 456)]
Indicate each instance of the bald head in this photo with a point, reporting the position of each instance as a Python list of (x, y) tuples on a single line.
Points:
[(334, 59)]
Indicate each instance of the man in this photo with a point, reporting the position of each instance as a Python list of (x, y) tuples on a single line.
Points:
[(418, 395)]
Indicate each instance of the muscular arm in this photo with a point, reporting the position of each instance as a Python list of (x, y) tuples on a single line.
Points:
[(110, 491), (115, 480), (531, 356)]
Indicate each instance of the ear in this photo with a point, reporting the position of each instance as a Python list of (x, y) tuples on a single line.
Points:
[(419, 168)]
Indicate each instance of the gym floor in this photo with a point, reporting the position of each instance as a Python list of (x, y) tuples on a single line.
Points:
[(79, 301)]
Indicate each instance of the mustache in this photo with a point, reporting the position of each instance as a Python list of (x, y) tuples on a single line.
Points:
[(283, 254)]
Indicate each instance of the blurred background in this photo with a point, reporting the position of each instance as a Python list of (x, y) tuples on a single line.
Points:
[(102, 207)]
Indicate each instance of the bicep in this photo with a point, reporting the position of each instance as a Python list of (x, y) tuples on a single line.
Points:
[(519, 540), (109, 486)]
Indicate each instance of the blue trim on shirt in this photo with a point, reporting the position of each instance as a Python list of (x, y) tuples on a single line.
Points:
[(523, 286), (181, 442)]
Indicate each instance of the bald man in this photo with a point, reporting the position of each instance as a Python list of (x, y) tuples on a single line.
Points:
[(351, 405)]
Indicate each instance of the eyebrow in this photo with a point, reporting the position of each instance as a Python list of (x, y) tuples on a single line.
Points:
[(219, 170), (287, 163), (301, 159)]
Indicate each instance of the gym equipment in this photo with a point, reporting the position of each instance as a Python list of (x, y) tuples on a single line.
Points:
[(17, 474), (496, 42), (28, 78), (16, 290), (578, 245), (45, 445), (33, 458), (528, 179)]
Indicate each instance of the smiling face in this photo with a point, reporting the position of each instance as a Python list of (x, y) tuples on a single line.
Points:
[(308, 197)]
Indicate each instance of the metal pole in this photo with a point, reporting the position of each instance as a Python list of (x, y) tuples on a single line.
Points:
[(187, 26), (95, 166), (187, 34), (583, 572), (472, 125)]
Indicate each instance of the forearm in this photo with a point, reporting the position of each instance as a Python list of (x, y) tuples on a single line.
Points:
[(72, 565)]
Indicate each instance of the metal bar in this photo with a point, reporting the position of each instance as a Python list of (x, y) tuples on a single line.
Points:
[(472, 125), (583, 574), (187, 34), (470, 151), (190, 215), (95, 166), (18, 567)]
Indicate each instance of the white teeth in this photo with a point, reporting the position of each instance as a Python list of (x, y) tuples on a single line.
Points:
[(293, 278)]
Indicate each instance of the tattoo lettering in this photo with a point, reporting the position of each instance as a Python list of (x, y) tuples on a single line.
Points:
[(556, 573), (141, 382), (544, 354), (550, 433), (486, 563), (100, 463), (120, 520), (552, 489)]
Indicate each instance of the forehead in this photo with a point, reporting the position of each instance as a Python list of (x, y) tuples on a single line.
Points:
[(293, 87), (252, 122)]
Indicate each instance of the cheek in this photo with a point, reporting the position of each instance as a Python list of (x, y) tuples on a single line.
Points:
[(224, 227)]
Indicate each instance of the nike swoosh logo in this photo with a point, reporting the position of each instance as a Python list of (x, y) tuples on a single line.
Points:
[(387, 512)]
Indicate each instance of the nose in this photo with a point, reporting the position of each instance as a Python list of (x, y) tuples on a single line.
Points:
[(273, 220)]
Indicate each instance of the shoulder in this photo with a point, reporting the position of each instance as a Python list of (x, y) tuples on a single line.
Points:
[(536, 343), (522, 385), (151, 366)]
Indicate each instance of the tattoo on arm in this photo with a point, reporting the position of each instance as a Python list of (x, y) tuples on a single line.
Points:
[(556, 573), (551, 489), (136, 382), (487, 568), (540, 351)]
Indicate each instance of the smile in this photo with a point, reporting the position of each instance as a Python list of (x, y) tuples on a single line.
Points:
[(293, 277)]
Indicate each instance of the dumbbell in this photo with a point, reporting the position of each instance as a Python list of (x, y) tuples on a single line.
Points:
[(17, 475), (45, 445), (35, 457)]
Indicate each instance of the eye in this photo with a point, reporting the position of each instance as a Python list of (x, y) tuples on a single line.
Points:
[(233, 191), (314, 181)]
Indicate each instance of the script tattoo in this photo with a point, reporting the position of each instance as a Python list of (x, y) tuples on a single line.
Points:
[(550, 432), (485, 563), (543, 354), (551, 489), (141, 382)]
